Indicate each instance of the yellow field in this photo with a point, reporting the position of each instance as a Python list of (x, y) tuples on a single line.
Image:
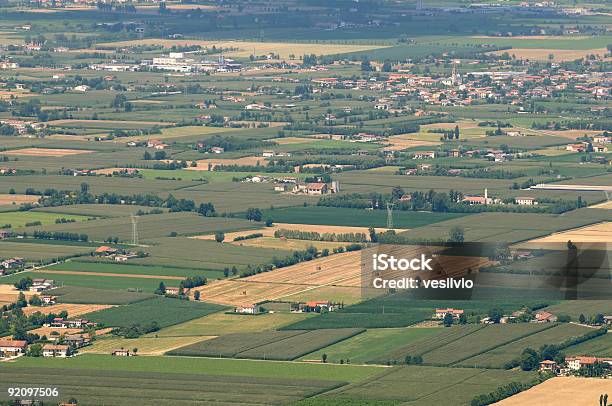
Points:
[(269, 231), (597, 233), (102, 122), (46, 331), (73, 309), (46, 152), (9, 294), (218, 324), (560, 55), (605, 205), (405, 141), (145, 345), (286, 244), (176, 132), (344, 294), (17, 199), (293, 140), (245, 48), (562, 391), (206, 164)]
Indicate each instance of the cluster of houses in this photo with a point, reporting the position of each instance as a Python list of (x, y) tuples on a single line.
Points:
[(115, 253), (573, 364), (41, 285), (316, 188), (11, 264), (316, 306), (177, 62)]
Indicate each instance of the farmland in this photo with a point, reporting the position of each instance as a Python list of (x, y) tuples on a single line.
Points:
[(313, 203)]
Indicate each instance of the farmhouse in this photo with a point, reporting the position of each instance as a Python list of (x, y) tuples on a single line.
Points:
[(576, 362), (525, 201), (441, 313), (105, 250), (12, 263), (48, 300), (12, 348), (247, 309), (77, 340), (545, 317), (576, 147), (548, 366), (40, 285), (171, 291), (122, 353), (313, 307), (56, 350), (424, 155)]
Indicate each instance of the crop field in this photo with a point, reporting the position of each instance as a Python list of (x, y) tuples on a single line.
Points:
[(598, 233), (581, 391), (82, 295), (244, 48), (271, 345), (46, 152), (502, 354), (94, 210), (104, 281), (37, 252), (20, 218), (73, 309), (151, 388), (339, 269), (355, 217), (219, 324), (151, 226), (574, 308), (164, 311), (17, 199), (102, 268), (145, 345), (597, 347), (420, 385), (372, 343)]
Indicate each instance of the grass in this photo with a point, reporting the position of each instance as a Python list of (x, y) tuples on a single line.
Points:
[(597, 347), (355, 217), (164, 311), (372, 344), (36, 252), (21, 218)]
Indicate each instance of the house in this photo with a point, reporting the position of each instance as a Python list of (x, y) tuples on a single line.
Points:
[(48, 300), (576, 147), (455, 153), (317, 306), (217, 150), (56, 350), (441, 313), (316, 188), (549, 366), (12, 263), (600, 148), (40, 285), (608, 320), (424, 155), (122, 353), (525, 201), (171, 291), (77, 340), (267, 154), (545, 317), (247, 309), (12, 348), (81, 88), (602, 139), (577, 362), (105, 250)]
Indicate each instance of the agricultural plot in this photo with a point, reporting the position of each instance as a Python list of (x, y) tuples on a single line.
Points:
[(355, 217), (372, 343), (421, 385), (74, 310), (581, 391), (95, 210), (145, 345), (19, 219), (14, 199), (32, 252), (272, 345), (83, 295), (597, 347), (574, 308), (152, 226), (502, 354), (164, 311), (151, 388)]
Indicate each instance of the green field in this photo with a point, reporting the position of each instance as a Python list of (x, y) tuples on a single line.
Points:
[(371, 344), (33, 251), (128, 269), (269, 345), (164, 311), (83, 295), (20, 218), (597, 347), (355, 217)]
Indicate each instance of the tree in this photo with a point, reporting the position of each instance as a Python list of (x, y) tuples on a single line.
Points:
[(253, 214), (463, 318), (456, 132), (530, 359), (448, 320), (21, 300), (373, 236), (35, 350), (84, 187), (365, 65), (387, 67), (324, 358), (219, 237), (147, 156), (396, 193), (456, 235), (196, 295), (582, 319), (161, 290), (408, 360)]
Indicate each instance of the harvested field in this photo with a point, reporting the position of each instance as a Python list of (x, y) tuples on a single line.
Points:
[(341, 269), (597, 233), (146, 345), (17, 199), (72, 309), (561, 391), (401, 142), (206, 164), (246, 48), (47, 152), (120, 275), (293, 140), (606, 205), (9, 294), (560, 55), (46, 331), (321, 229)]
